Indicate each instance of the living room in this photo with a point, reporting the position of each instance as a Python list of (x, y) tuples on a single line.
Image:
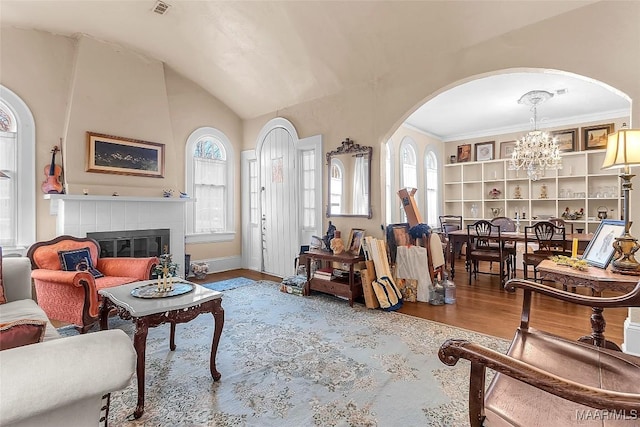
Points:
[(77, 81)]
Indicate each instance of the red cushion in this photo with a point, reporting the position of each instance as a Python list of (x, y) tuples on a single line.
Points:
[(21, 332)]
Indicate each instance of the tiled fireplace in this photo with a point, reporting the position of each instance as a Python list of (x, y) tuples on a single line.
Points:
[(78, 215)]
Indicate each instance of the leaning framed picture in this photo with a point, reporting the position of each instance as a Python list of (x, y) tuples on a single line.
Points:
[(595, 137), (566, 139), (355, 240), (506, 149), (464, 153), (484, 151), (124, 156), (600, 249)]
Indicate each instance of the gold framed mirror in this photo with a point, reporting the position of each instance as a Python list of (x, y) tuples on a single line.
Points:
[(349, 180)]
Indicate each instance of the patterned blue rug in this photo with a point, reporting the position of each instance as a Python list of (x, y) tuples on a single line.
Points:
[(225, 285)]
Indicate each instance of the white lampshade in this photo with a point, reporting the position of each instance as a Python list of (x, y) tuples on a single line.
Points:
[(623, 149)]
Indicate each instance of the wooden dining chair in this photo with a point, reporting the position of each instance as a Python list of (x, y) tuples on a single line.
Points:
[(484, 243), (559, 222), (449, 223), (508, 225), (548, 239)]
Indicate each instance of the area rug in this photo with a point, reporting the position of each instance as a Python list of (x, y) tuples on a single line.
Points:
[(225, 285), (287, 360)]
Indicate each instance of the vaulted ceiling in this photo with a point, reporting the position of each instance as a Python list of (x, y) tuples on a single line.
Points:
[(261, 56)]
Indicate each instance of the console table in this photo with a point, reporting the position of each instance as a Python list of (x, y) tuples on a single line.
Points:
[(349, 287), (598, 280)]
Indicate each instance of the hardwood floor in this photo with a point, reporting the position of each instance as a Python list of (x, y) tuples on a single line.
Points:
[(483, 307)]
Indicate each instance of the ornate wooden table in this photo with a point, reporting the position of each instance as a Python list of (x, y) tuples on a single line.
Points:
[(348, 287), (598, 280), (149, 312)]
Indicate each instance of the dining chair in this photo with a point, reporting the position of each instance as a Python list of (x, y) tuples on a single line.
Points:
[(449, 223), (549, 239), (559, 222), (508, 225), (482, 237)]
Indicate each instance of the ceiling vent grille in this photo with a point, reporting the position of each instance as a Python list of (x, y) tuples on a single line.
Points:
[(161, 7)]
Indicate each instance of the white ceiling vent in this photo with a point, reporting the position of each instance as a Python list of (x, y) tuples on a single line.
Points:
[(562, 91), (161, 7)]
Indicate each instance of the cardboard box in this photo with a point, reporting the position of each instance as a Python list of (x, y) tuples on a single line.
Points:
[(409, 204)]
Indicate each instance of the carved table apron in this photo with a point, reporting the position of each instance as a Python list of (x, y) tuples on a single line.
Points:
[(598, 280), (148, 313)]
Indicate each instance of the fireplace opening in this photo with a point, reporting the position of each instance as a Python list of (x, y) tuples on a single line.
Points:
[(133, 243)]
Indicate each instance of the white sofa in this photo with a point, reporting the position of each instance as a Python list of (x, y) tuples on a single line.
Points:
[(60, 381)]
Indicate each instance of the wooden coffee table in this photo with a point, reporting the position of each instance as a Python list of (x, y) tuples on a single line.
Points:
[(149, 312)]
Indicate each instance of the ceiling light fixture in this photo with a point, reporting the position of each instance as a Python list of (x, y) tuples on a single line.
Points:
[(536, 151)]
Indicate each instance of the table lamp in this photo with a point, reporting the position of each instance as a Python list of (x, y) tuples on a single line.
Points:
[(623, 151)]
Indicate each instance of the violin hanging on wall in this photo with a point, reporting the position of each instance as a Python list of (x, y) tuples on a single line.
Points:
[(52, 172)]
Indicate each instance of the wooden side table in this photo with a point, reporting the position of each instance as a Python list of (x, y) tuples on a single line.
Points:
[(349, 287), (598, 280)]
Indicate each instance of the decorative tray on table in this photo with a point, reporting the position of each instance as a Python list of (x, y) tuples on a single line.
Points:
[(151, 290)]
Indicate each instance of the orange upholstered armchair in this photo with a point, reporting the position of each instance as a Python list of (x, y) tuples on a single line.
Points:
[(67, 273)]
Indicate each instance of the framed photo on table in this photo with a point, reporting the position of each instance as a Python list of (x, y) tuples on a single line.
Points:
[(484, 151), (600, 250), (566, 139), (355, 240), (595, 137)]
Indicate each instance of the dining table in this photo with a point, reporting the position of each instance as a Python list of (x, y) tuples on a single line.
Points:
[(457, 237)]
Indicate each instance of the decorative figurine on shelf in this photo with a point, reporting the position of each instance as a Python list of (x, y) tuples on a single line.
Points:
[(602, 212), (496, 212), (517, 194), (495, 193), (566, 213), (543, 192), (331, 231), (167, 193), (337, 245), (165, 271)]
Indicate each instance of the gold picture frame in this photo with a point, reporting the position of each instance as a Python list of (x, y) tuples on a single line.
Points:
[(566, 139), (124, 156), (355, 240), (595, 137), (464, 153)]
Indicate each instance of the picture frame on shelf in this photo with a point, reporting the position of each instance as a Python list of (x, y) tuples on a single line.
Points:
[(355, 240), (595, 137), (485, 151), (506, 149), (464, 153), (566, 139), (124, 156), (600, 250)]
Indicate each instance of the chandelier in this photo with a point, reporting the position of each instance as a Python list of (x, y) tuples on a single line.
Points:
[(536, 151)]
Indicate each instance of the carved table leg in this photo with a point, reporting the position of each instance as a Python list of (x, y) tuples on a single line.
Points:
[(104, 314), (598, 325), (218, 319), (172, 337), (140, 344)]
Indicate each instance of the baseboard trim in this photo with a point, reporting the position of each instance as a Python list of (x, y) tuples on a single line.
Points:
[(631, 343)]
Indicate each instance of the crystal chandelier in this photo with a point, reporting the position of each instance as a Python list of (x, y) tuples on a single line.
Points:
[(536, 151)]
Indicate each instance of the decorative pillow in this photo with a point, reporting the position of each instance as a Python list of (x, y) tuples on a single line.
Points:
[(78, 260), (21, 332)]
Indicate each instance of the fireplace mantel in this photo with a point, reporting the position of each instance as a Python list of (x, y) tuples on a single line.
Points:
[(78, 215)]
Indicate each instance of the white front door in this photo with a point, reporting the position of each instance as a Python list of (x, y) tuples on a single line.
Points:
[(279, 202)]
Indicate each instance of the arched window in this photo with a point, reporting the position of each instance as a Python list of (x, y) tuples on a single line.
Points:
[(431, 185), (408, 169), (209, 169), (17, 182), (337, 187)]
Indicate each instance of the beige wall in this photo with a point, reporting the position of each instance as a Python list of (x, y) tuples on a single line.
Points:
[(78, 85), (578, 42)]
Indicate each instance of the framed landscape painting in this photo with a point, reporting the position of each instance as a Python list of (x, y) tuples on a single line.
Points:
[(595, 137), (124, 156), (566, 139)]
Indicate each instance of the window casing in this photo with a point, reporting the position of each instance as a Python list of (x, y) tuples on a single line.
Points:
[(17, 161), (308, 189), (409, 171), (209, 178), (431, 185)]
